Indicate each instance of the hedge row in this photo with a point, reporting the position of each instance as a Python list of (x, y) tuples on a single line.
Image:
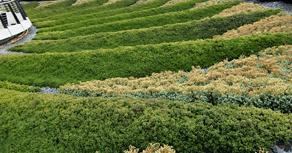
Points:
[(76, 23), (272, 24), (58, 12), (83, 14), (263, 81), (198, 29), (54, 69), (53, 9), (47, 123), (143, 22)]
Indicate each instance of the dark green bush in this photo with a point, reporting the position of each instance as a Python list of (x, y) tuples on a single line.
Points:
[(47, 123), (169, 33), (54, 69)]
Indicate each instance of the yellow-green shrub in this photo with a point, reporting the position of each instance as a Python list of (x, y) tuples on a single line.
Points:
[(267, 74), (241, 8), (152, 148), (273, 24)]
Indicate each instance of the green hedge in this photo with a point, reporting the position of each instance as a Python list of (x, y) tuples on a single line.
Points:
[(40, 12), (84, 14), (56, 12), (198, 29), (76, 23), (54, 69), (143, 22), (47, 123)]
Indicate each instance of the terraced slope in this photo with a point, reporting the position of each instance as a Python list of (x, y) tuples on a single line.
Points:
[(77, 15), (136, 23), (76, 23), (187, 73), (197, 29)]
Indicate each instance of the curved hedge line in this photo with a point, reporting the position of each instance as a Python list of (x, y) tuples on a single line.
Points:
[(47, 123), (55, 69), (79, 15), (262, 80), (137, 23), (198, 29), (58, 12), (102, 17)]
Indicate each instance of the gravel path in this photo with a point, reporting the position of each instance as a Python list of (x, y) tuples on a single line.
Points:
[(48, 90), (282, 5), (4, 49)]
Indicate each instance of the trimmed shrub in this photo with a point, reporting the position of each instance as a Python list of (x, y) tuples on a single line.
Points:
[(261, 81), (198, 29), (102, 17), (55, 12), (137, 23), (56, 69), (272, 24), (47, 123), (89, 14)]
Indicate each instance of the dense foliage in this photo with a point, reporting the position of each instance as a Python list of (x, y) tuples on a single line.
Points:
[(136, 23), (185, 51), (47, 123), (93, 12), (192, 30), (152, 148), (263, 81), (101, 18), (273, 24), (55, 69)]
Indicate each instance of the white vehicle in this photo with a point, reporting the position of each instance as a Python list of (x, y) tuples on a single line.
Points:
[(13, 19)]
